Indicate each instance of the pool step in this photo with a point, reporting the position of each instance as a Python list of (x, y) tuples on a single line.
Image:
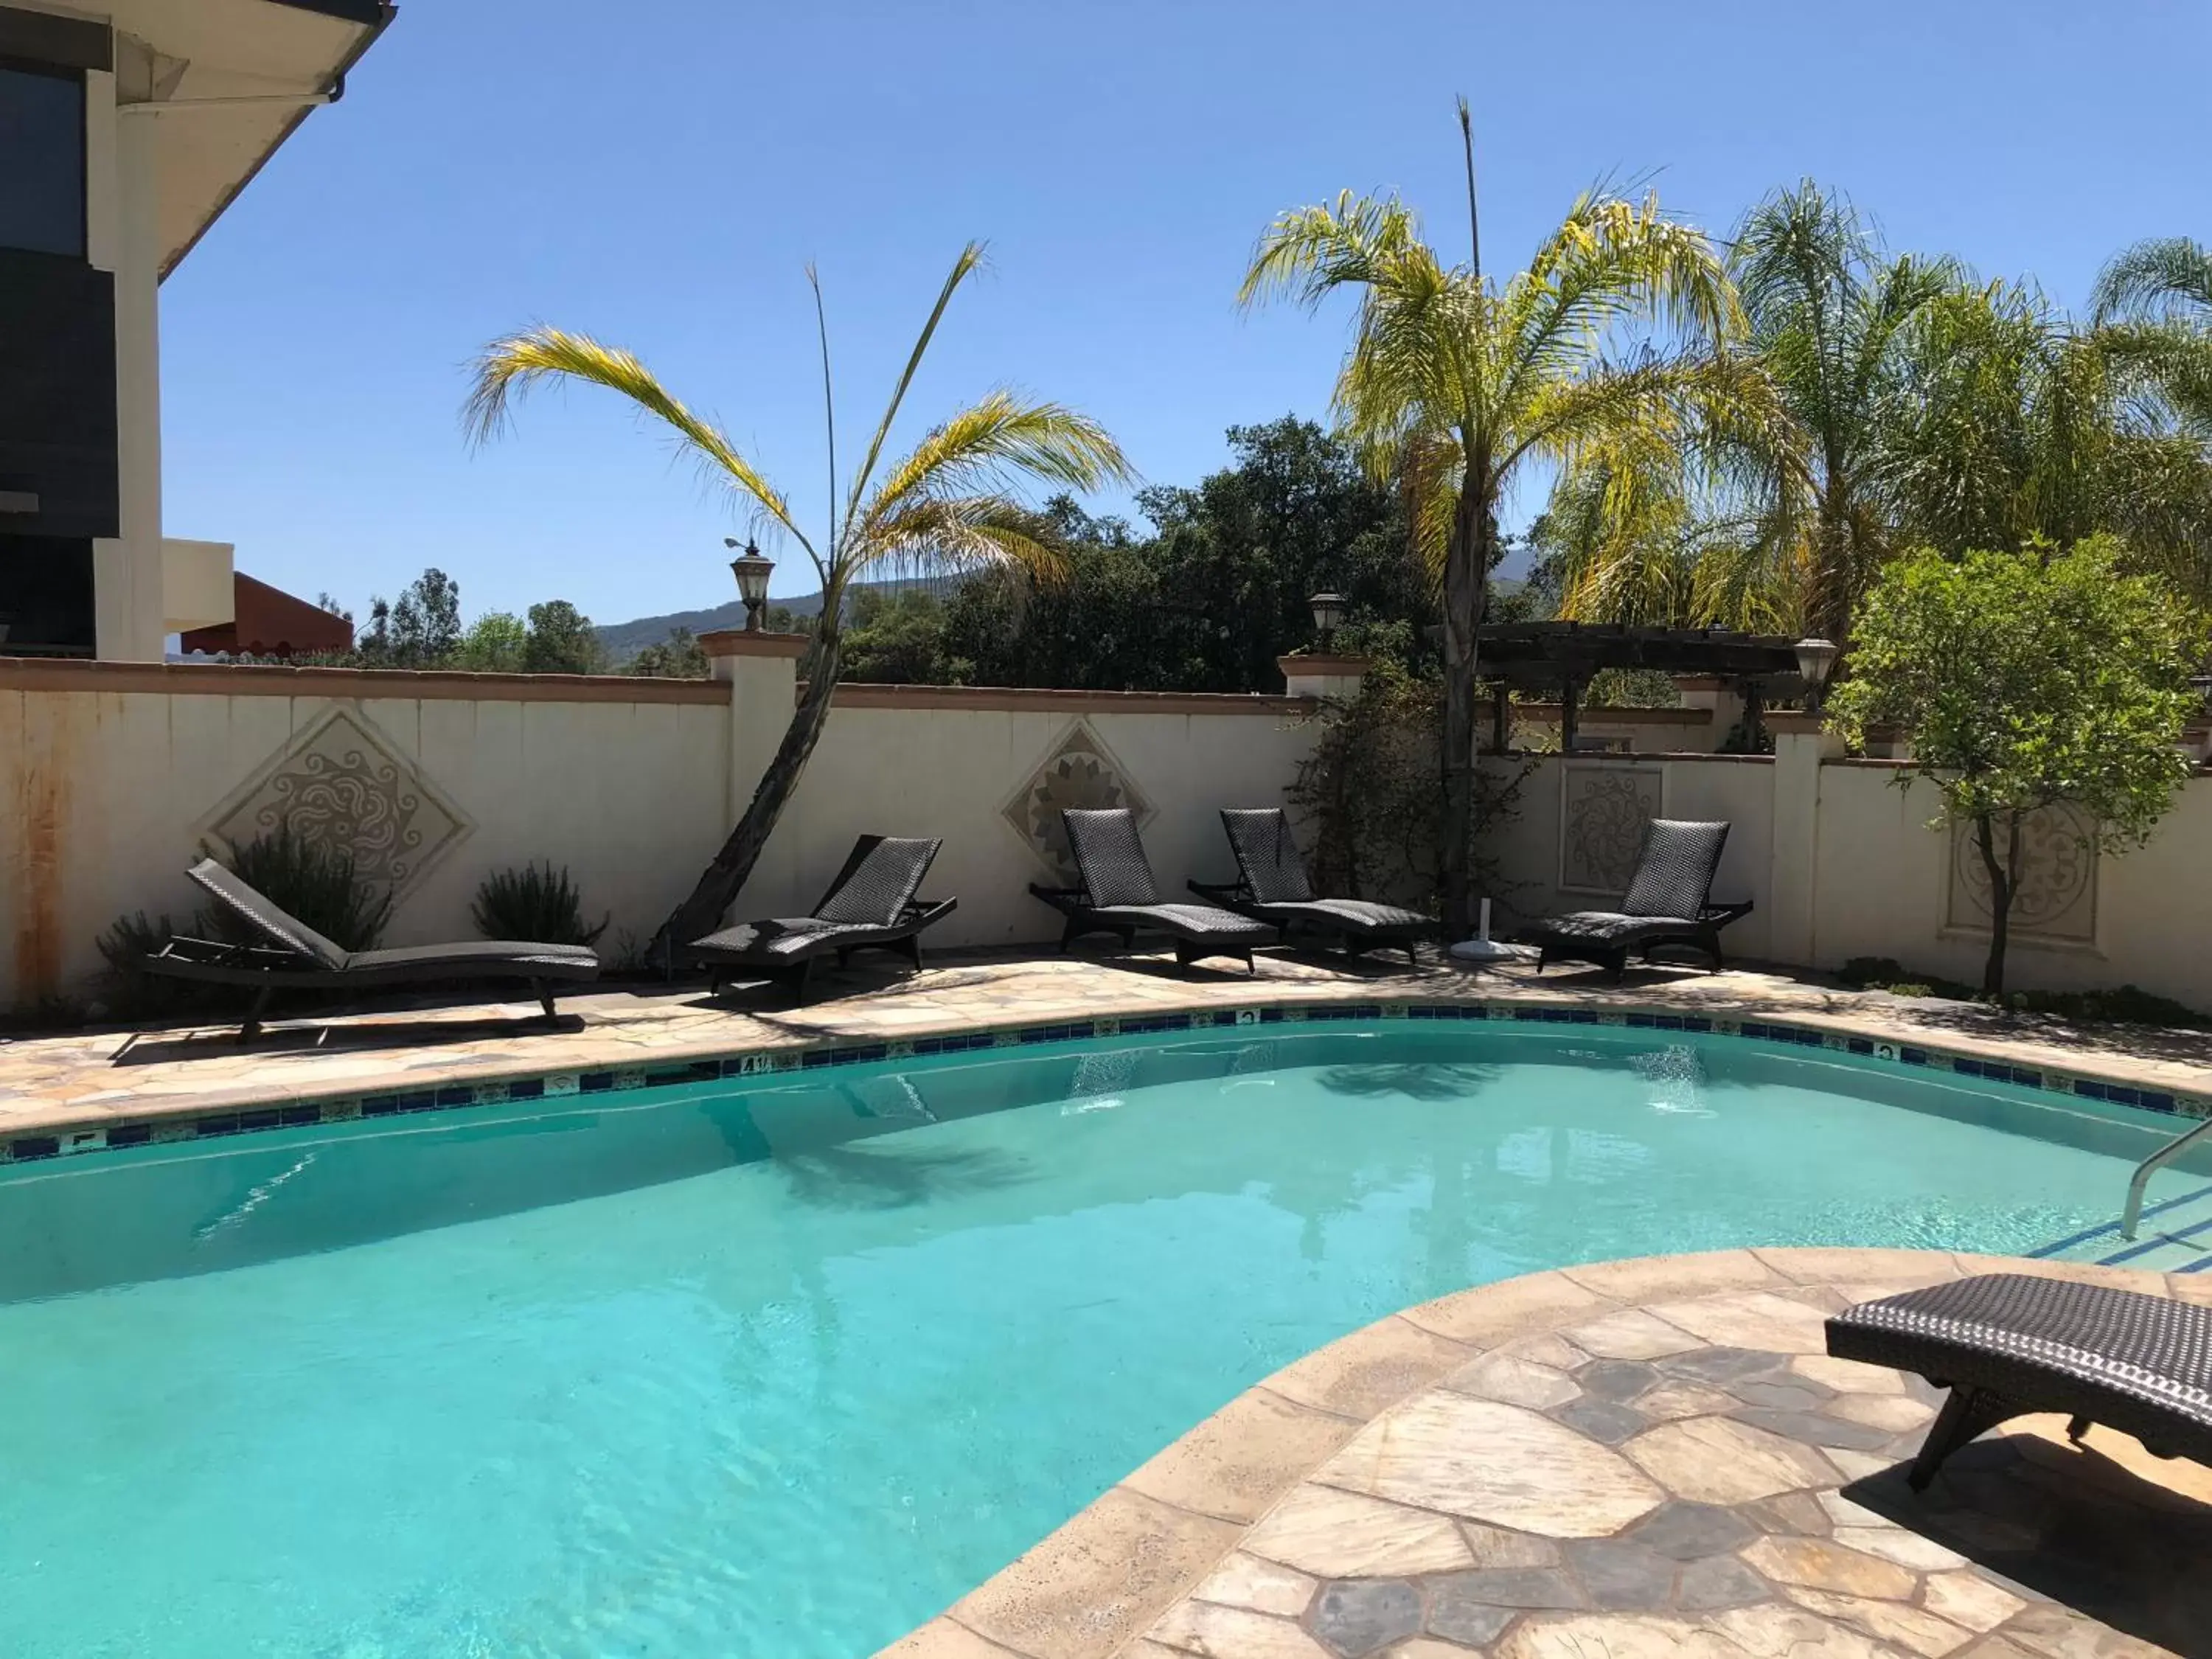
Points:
[(2175, 1237)]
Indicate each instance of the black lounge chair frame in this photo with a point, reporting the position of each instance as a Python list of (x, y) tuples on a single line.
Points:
[(1119, 898), (298, 958), (1668, 905), (2008, 1344), (868, 906), (1271, 887)]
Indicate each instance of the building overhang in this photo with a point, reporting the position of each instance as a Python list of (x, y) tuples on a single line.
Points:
[(228, 80)]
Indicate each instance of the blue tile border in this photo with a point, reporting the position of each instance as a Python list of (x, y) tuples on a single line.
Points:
[(74, 1139)]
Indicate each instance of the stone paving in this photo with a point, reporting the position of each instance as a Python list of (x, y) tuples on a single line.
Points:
[(1631, 1459), (88, 1079)]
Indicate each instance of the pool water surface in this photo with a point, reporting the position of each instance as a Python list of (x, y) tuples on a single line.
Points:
[(786, 1368)]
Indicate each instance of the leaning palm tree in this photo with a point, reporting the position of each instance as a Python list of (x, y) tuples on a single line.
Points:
[(1459, 387), (949, 503)]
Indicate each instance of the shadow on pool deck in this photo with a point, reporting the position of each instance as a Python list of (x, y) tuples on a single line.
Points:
[(2076, 1527)]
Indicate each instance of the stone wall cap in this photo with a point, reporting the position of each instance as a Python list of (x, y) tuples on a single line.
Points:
[(1316, 664), (219, 679), (738, 642)]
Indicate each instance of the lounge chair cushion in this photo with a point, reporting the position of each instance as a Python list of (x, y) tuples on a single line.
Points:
[(1359, 916), (1674, 868), (1609, 928), (1111, 858), (2139, 1364), (277, 924), (781, 936), (468, 954), (1268, 856), (876, 890), (1208, 919)]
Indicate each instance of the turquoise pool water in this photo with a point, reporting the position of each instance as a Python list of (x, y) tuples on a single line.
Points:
[(785, 1370)]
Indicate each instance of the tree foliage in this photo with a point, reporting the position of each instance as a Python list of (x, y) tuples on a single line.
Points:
[(561, 640), (496, 643), (678, 656), (2026, 680), (1925, 407), (1215, 589)]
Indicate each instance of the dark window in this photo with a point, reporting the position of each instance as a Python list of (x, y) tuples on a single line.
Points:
[(46, 596), (42, 185)]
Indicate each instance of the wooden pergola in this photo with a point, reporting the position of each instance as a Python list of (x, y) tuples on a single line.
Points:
[(1562, 656)]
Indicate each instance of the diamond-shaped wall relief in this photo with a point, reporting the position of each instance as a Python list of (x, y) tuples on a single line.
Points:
[(341, 782), (1078, 771)]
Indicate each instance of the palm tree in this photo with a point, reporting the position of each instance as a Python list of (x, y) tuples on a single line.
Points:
[(2153, 302), (2018, 426), (1829, 311), (1458, 386), (949, 503)]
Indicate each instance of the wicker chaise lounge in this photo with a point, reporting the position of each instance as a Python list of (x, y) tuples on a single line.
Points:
[(1118, 895), (1271, 887), (870, 906), (2006, 1344), (1669, 904), (297, 958)]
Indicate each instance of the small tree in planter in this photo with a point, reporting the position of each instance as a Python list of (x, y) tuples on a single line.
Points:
[(2024, 681)]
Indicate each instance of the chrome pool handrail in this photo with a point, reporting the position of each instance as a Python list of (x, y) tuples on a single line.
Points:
[(2165, 1155)]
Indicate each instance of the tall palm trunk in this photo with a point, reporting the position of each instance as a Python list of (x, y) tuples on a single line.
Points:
[(1467, 565), (721, 882)]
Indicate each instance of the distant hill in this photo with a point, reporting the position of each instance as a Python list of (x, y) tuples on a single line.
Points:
[(625, 640)]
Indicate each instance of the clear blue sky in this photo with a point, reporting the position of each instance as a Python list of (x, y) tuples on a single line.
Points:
[(658, 173)]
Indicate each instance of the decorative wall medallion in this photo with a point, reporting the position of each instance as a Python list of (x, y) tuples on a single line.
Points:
[(342, 782), (1602, 812), (1079, 771), (2057, 897)]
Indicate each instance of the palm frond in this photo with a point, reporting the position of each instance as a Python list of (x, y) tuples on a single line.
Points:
[(509, 369), (1309, 252), (2162, 279), (997, 445), (939, 533), (970, 258)]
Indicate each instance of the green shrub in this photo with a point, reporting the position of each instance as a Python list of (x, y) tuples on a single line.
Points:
[(315, 882), (2129, 1004), (130, 992), (538, 904)]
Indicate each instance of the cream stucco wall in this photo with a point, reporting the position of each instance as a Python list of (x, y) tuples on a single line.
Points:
[(1840, 863), (950, 773), (1883, 878), (113, 775), (110, 794)]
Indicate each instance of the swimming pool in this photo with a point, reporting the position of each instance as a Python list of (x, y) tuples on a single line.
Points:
[(786, 1368)]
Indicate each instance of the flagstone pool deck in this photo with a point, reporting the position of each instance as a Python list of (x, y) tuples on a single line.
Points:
[(89, 1080), (1623, 1461)]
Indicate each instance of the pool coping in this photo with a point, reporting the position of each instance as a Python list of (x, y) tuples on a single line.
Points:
[(1095, 1587), (138, 1121), (86, 1129)]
